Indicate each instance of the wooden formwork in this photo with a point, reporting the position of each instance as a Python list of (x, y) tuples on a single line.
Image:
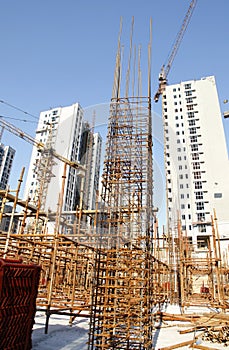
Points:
[(18, 292)]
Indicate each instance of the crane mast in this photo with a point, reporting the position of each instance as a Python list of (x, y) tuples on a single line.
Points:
[(166, 68)]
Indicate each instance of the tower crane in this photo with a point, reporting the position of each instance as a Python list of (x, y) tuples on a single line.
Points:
[(40, 145), (166, 67)]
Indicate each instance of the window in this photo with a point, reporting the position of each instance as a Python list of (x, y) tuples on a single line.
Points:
[(182, 196), (217, 195), (177, 133), (190, 107), (200, 206), (178, 149), (181, 186), (177, 125), (191, 114), (189, 100), (182, 206), (195, 156), (192, 130), (178, 141), (201, 217), (194, 148), (174, 90), (179, 158), (187, 86), (202, 242), (183, 217), (199, 195), (198, 185), (188, 93), (180, 167), (202, 228), (191, 122), (197, 175), (180, 177), (193, 139), (196, 166)]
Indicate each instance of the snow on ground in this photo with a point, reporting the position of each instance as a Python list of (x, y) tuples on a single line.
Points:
[(61, 336)]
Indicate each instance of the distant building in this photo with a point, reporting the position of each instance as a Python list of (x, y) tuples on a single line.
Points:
[(7, 154), (60, 129), (90, 157), (5, 223), (196, 158)]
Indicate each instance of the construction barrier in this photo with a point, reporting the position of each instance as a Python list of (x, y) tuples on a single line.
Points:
[(18, 291)]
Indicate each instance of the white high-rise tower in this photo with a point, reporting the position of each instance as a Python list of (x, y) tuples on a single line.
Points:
[(58, 129), (196, 158)]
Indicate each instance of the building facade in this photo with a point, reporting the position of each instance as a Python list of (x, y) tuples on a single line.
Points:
[(63, 131), (90, 157), (7, 154), (60, 130), (196, 160)]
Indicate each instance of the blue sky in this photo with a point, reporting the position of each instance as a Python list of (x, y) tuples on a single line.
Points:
[(57, 52)]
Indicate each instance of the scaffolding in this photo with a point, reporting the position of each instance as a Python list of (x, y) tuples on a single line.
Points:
[(111, 264), (123, 295)]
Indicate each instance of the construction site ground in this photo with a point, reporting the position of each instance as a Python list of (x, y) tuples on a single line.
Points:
[(166, 334)]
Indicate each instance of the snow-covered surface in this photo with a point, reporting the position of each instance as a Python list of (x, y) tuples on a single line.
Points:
[(62, 336)]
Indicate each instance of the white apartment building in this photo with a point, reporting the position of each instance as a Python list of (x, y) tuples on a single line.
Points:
[(7, 154), (93, 173), (196, 159), (59, 129)]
